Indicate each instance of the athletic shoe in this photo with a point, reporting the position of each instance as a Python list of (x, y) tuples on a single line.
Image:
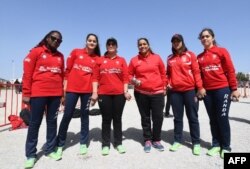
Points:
[(213, 151), (83, 149), (105, 151), (54, 156), (197, 149), (158, 145), (59, 151), (176, 146), (223, 152), (121, 149), (147, 146), (29, 163)]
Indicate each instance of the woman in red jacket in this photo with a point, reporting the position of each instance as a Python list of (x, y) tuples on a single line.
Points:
[(111, 77), (147, 72), (184, 80), (219, 79), (43, 89), (78, 84)]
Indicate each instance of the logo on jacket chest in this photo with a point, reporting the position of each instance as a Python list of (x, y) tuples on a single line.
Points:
[(214, 56), (59, 60), (44, 56)]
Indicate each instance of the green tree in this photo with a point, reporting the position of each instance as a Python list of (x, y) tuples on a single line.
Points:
[(241, 77)]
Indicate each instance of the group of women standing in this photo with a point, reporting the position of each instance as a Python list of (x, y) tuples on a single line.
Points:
[(210, 76)]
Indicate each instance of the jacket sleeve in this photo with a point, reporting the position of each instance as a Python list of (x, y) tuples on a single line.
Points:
[(96, 71), (162, 70), (125, 71), (228, 69), (131, 70), (69, 64), (196, 71), (29, 65)]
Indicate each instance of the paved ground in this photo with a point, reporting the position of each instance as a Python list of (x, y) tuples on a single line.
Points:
[(12, 144)]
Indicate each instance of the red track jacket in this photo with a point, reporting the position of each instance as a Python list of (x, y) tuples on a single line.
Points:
[(217, 69), (43, 73), (111, 75), (79, 71), (150, 71), (183, 72)]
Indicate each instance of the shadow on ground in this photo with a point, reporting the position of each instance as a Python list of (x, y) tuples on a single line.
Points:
[(240, 120), (167, 136)]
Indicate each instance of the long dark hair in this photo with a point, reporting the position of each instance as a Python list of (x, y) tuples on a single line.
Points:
[(150, 50), (44, 40), (97, 50), (210, 31)]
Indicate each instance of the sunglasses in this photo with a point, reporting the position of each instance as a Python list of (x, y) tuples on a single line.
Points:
[(53, 38), (111, 44), (205, 36)]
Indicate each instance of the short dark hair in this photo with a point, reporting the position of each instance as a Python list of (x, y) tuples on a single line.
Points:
[(113, 40)]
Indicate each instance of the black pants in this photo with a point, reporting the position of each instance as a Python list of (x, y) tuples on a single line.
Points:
[(150, 106), (111, 107), (167, 107)]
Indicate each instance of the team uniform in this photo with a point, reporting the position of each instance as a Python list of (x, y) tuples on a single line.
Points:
[(149, 96), (111, 75), (184, 79), (43, 83), (218, 75), (78, 75)]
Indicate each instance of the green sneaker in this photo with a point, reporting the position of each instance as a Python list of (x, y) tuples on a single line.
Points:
[(121, 149), (59, 151), (83, 149), (176, 146), (223, 152), (54, 156), (197, 149), (29, 163), (213, 151), (105, 151)]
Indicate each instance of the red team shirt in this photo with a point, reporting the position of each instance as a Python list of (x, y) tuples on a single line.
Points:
[(183, 72), (79, 71), (43, 73), (217, 69), (150, 71), (111, 75)]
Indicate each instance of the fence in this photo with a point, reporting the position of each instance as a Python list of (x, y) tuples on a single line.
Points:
[(10, 102), (244, 91)]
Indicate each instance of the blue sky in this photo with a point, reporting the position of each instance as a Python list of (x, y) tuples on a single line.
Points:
[(23, 23)]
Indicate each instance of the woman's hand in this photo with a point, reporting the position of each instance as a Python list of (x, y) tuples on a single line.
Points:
[(26, 100), (93, 98), (136, 82), (235, 96), (201, 93), (127, 96), (63, 100)]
